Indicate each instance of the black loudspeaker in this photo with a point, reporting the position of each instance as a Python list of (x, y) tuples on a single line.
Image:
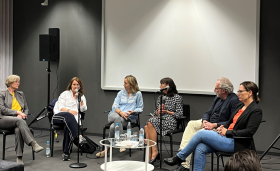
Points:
[(49, 45)]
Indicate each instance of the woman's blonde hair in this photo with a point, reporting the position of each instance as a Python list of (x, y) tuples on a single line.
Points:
[(11, 79), (133, 83), (80, 83)]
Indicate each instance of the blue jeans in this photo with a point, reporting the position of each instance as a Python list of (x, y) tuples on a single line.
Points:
[(203, 142)]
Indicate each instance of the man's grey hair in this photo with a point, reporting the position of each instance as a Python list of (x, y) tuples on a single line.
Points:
[(226, 84)]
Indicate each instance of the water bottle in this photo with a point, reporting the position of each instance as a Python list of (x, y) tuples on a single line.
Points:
[(128, 131), (117, 133), (141, 136), (48, 149)]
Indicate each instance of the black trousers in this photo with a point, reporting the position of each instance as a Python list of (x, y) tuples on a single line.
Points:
[(70, 129)]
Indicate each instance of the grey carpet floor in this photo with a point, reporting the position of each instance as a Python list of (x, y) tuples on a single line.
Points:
[(55, 163)]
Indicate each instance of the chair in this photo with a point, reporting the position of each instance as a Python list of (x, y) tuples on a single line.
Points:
[(180, 126), (133, 125), (11, 132), (227, 154)]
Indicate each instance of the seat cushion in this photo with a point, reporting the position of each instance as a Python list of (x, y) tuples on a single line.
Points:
[(10, 166), (7, 132), (58, 127)]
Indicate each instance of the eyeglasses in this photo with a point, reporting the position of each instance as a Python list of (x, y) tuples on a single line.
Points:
[(217, 88), (240, 91)]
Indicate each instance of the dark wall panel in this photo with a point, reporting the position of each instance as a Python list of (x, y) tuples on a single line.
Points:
[(80, 55)]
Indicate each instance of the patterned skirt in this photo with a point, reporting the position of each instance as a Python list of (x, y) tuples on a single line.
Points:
[(168, 123)]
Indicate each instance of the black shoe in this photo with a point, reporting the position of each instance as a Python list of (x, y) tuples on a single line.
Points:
[(152, 161), (158, 156), (65, 157), (173, 160), (181, 168)]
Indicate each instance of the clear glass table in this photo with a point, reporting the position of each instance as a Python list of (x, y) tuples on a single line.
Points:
[(126, 164)]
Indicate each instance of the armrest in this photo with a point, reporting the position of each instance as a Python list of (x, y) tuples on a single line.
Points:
[(235, 137)]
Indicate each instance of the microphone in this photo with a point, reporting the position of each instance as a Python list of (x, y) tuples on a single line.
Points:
[(163, 99), (165, 88), (79, 95), (42, 117)]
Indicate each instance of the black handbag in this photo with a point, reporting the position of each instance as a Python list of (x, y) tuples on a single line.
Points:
[(88, 146)]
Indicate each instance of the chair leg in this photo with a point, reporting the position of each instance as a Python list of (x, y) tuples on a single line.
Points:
[(171, 145), (130, 152), (271, 146), (144, 155), (212, 161), (218, 158), (33, 153), (222, 161), (52, 142), (104, 131), (33, 156), (193, 153), (4, 146)]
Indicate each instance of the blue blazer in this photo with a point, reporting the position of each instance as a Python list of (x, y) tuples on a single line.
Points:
[(227, 109)]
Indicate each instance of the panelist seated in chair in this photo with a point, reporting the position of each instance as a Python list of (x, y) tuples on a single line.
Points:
[(66, 112), (243, 123), (127, 105), (223, 106), (172, 109), (13, 113), (245, 160)]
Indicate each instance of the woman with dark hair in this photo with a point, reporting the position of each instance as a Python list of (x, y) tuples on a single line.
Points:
[(13, 112), (127, 105), (243, 124), (172, 109), (66, 112)]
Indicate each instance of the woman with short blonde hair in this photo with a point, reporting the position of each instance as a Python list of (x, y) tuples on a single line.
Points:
[(13, 112)]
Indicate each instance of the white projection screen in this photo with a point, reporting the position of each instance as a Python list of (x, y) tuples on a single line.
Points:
[(192, 41)]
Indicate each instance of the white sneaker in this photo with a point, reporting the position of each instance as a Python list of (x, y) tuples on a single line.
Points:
[(82, 140)]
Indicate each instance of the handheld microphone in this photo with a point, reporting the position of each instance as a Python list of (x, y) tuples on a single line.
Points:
[(79, 95), (42, 117), (165, 88), (163, 99)]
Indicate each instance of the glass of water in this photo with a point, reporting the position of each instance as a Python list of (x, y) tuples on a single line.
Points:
[(134, 136), (122, 137)]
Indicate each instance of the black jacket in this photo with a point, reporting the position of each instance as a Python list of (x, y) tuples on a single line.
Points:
[(246, 126), (227, 109)]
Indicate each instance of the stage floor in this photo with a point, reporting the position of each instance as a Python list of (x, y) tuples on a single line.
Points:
[(55, 163)]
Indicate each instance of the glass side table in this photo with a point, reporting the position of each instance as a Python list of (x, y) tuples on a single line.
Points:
[(126, 164)]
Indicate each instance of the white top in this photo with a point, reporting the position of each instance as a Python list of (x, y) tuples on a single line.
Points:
[(67, 100)]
